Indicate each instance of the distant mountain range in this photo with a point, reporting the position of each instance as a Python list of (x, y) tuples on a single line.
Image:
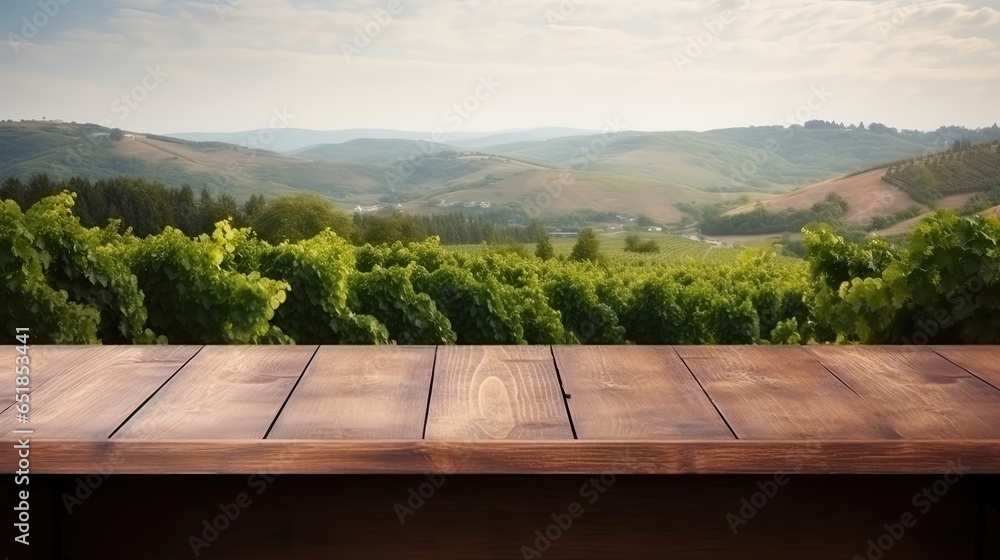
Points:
[(544, 171), (294, 139)]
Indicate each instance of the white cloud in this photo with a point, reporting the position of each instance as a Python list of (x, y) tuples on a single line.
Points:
[(562, 62)]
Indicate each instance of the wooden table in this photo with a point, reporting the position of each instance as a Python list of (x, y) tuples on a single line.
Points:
[(410, 414)]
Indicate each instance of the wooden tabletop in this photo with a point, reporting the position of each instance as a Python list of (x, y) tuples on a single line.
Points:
[(507, 409)]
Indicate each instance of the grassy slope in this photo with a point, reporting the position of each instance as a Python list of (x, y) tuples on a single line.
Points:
[(866, 194), (673, 248), (722, 158), (630, 172)]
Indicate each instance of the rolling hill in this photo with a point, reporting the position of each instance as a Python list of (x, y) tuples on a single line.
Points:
[(627, 172), (947, 179), (728, 160), (295, 139), (867, 195)]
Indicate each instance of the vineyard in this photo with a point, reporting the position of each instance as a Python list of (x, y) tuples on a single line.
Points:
[(671, 248), (74, 284), (957, 171)]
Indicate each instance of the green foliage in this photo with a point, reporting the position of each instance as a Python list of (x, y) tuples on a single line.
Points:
[(941, 287), (634, 244), (574, 294), (294, 218), (409, 317), (965, 168), (87, 265), (544, 249), (144, 206), (882, 221), (317, 272), (587, 246), (479, 311), (452, 228), (28, 299), (72, 284), (653, 315), (192, 298), (760, 220)]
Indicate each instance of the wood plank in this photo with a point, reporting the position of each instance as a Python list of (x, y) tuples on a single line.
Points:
[(635, 392), (981, 361), (496, 392), (7, 365), (46, 362), (485, 456), (773, 392), (96, 387), (917, 392), (360, 392), (224, 392)]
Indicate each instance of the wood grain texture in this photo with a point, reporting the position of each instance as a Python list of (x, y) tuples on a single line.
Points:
[(276, 456), (96, 387), (635, 392), (360, 392), (981, 361), (496, 392), (7, 355), (917, 392), (772, 392), (48, 362), (224, 392)]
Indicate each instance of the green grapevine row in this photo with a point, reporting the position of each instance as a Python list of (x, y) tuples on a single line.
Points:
[(82, 285)]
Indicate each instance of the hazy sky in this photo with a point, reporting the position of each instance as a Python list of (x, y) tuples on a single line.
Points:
[(229, 65)]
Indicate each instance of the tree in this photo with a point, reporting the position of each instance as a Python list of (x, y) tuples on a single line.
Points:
[(116, 134), (587, 246), (252, 207), (633, 244), (298, 217), (544, 249)]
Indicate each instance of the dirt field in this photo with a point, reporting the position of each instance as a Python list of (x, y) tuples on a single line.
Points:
[(867, 195)]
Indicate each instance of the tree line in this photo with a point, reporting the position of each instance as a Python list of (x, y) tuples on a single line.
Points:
[(147, 207), (760, 220)]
